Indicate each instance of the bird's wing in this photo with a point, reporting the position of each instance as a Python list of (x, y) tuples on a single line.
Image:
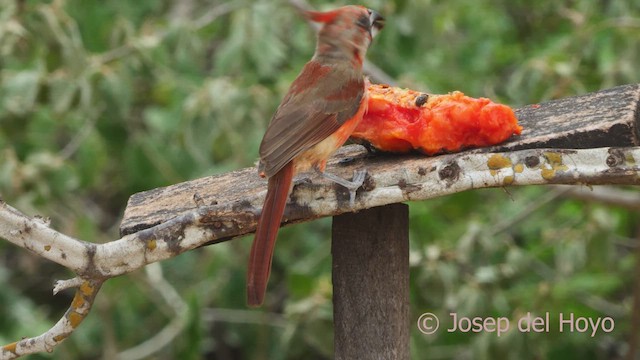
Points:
[(319, 101)]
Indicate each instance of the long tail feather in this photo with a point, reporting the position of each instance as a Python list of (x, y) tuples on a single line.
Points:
[(266, 232)]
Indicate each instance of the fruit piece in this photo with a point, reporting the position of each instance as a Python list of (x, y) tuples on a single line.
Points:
[(401, 120)]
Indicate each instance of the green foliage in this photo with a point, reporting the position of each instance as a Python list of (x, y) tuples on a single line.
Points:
[(99, 100)]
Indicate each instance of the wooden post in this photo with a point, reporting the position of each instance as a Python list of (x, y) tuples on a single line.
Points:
[(371, 283)]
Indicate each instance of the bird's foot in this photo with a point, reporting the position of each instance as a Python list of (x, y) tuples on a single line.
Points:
[(358, 179)]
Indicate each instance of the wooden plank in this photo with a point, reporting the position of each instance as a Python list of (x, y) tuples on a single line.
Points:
[(370, 252), (607, 118), (601, 119)]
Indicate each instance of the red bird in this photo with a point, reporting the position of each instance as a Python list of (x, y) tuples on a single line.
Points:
[(319, 112)]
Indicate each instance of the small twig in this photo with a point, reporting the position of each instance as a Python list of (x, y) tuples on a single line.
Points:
[(158, 38), (608, 195), (80, 307), (216, 12), (62, 285), (524, 213), (78, 139), (213, 315)]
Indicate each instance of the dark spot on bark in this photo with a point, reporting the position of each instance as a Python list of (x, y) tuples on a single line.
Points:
[(450, 173), (214, 202), (173, 240), (63, 256), (341, 194), (91, 251), (198, 200), (368, 184), (422, 171), (145, 235), (408, 188), (422, 99), (217, 224), (532, 161), (295, 211), (206, 217), (26, 229), (241, 205), (616, 158), (90, 270)]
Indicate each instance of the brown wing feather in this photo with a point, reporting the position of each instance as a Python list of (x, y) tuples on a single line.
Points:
[(320, 100)]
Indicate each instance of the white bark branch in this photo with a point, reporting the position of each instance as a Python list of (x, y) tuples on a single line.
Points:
[(420, 178), (78, 311), (35, 235)]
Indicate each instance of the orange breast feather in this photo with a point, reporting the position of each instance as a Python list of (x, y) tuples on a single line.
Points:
[(400, 120)]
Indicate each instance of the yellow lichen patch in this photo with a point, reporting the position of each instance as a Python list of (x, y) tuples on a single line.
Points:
[(151, 244), (553, 158), (548, 174), (11, 347), (555, 163), (508, 180), (628, 157), (518, 168), (78, 301), (86, 288), (59, 338), (75, 319), (47, 247), (498, 161)]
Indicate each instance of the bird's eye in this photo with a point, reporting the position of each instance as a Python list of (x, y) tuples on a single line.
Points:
[(363, 22)]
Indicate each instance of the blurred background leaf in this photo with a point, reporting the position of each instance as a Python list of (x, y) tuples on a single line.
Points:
[(99, 100)]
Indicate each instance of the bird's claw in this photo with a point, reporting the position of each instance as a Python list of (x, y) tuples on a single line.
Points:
[(359, 177)]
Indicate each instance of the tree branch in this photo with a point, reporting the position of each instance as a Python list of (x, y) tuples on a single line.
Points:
[(35, 235), (419, 178), (78, 311)]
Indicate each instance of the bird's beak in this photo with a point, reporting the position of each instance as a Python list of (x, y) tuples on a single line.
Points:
[(377, 22)]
